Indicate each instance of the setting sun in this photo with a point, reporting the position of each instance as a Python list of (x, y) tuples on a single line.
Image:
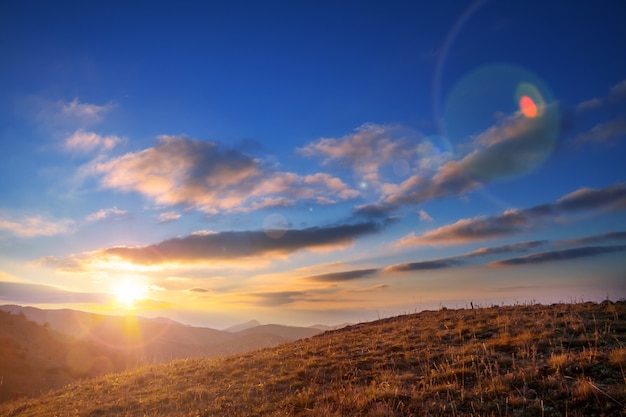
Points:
[(128, 292)]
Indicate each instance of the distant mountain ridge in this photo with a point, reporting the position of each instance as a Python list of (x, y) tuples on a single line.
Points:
[(161, 339), (125, 341), (243, 326)]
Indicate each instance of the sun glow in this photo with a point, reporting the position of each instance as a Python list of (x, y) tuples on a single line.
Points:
[(128, 292)]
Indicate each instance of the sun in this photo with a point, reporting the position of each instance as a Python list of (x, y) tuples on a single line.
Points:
[(128, 292)]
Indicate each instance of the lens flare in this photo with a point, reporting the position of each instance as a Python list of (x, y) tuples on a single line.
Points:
[(503, 119), (528, 107), (275, 226)]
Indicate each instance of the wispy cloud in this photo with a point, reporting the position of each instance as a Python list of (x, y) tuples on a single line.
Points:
[(212, 179), (278, 298), (236, 245), (112, 213), (85, 142), (370, 148), (66, 113), (515, 247), (46, 294), (560, 255), (470, 230), (33, 226), (425, 217), (593, 239), (424, 265), (449, 179), (603, 132), (84, 112), (168, 216), (516, 221), (342, 276), (70, 264), (514, 146), (463, 260), (616, 94)]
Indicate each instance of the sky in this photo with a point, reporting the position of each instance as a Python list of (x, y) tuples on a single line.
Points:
[(313, 161)]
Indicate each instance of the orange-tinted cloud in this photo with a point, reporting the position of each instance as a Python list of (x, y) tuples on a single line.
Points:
[(82, 141), (470, 230), (367, 149), (212, 179)]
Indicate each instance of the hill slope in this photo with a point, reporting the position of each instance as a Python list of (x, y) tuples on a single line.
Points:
[(35, 358), (525, 360)]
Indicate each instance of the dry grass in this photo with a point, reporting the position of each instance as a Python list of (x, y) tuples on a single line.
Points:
[(531, 360)]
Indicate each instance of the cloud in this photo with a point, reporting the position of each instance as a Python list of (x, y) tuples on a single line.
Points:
[(66, 113), (342, 276), (603, 132), (85, 142), (515, 146), (243, 244), (561, 255), (112, 213), (470, 230), (373, 288), (84, 112), (515, 247), (616, 94), (374, 211), (593, 239), (584, 199), (45, 294), (425, 217), (201, 290), (520, 220), (71, 264), (33, 226), (212, 179), (278, 298), (168, 216), (455, 261), (449, 179), (367, 149), (424, 265)]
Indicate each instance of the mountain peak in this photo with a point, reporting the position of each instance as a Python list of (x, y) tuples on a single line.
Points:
[(243, 326)]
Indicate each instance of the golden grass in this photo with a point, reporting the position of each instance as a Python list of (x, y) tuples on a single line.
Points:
[(533, 360)]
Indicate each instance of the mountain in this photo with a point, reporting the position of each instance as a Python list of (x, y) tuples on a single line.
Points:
[(160, 340), (243, 326), (146, 340), (534, 360), (35, 358)]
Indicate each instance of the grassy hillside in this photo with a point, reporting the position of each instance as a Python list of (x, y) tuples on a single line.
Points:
[(533, 360), (35, 358)]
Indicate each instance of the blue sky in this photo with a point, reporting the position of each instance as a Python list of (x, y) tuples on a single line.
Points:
[(305, 162)]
